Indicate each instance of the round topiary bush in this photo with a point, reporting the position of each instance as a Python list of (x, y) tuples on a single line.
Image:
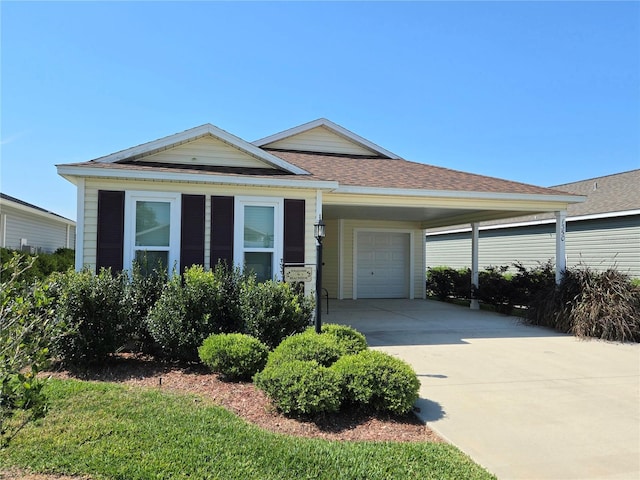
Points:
[(351, 340), (301, 387), (234, 355), (307, 346), (378, 380)]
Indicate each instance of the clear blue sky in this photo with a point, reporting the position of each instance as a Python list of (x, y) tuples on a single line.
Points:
[(537, 92)]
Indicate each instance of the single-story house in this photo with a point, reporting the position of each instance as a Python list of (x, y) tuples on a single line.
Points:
[(205, 195), (602, 232), (32, 229)]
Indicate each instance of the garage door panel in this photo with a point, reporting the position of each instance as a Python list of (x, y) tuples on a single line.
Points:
[(382, 265)]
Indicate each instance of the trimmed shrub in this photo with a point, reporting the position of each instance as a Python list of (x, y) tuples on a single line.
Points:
[(193, 306), (145, 288), (96, 309), (446, 283), (274, 310), (234, 355), (602, 305), (349, 339), (378, 380), (308, 345), (301, 387), (495, 288)]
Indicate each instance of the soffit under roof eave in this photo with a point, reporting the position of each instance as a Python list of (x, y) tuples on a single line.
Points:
[(73, 172), (477, 217), (195, 133)]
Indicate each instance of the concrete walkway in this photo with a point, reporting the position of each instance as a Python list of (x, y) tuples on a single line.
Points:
[(524, 402)]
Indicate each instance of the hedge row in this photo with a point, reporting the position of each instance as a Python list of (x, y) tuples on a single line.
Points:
[(169, 317), (42, 265), (586, 303), (496, 285)]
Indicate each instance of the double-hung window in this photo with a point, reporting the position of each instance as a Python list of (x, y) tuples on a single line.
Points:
[(152, 230), (258, 235)]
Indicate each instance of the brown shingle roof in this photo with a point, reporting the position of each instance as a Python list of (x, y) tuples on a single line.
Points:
[(351, 170), (402, 174)]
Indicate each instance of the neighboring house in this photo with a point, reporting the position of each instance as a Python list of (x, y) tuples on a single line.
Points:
[(204, 196), (602, 232), (33, 229)]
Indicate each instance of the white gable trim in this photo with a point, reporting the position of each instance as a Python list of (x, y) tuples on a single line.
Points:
[(323, 122), (197, 132)]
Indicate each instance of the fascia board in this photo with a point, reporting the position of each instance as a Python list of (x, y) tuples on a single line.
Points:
[(39, 213), (194, 133), (76, 171), (546, 221), (460, 194), (323, 122)]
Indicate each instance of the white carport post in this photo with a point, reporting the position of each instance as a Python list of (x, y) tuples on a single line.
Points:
[(561, 252), (475, 236)]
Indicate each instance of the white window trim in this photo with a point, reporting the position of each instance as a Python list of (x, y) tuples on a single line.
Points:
[(130, 199), (410, 273), (278, 230)]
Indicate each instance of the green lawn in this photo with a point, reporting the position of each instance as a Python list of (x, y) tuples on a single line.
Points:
[(111, 431)]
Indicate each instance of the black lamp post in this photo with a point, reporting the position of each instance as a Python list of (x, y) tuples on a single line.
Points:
[(318, 232)]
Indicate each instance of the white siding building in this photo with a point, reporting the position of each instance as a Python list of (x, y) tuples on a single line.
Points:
[(26, 227)]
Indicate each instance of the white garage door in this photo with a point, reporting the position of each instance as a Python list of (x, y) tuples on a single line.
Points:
[(382, 265)]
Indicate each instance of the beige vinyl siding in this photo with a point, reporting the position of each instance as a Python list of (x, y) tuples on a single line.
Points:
[(207, 151), (320, 139), (44, 234), (91, 207), (349, 228), (599, 244)]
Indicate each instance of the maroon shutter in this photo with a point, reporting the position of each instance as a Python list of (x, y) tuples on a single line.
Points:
[(110, 241), (192, 231), (221, 230), (293, 231)]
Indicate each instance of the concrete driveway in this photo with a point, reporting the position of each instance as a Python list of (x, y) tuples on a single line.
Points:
[(524, 402)]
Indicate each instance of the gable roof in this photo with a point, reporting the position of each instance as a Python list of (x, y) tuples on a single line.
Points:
[(156, 146), (380, 173), (272, 141)]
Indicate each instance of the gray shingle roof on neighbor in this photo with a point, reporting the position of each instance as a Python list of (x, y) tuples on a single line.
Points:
[(619, 192)]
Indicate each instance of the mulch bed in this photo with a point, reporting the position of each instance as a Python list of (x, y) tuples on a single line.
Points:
[(251, 404)]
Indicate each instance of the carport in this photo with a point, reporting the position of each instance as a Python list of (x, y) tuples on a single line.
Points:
[(525, 402)]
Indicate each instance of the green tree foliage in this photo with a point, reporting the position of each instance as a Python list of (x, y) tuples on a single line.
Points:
[(27, 329)]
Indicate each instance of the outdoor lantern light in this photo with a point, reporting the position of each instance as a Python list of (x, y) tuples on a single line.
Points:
[(318, 231)]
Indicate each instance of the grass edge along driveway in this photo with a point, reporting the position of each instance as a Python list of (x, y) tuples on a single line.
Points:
[(111, 431)]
